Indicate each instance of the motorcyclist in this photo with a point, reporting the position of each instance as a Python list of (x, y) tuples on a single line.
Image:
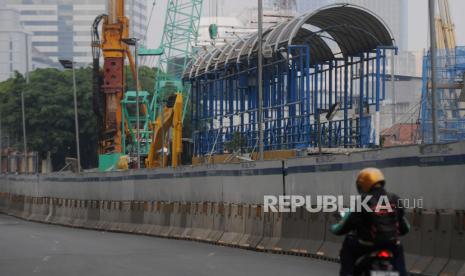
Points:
[(368, 231)]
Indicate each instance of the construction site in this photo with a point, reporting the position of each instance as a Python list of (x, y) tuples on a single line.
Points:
[(291, 104)]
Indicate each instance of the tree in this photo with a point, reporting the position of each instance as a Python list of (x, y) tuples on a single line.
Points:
[(50, 112), (236, 144)]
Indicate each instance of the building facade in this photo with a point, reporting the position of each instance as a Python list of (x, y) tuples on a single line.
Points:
[(62, 28), (15, 46), (280, 5)]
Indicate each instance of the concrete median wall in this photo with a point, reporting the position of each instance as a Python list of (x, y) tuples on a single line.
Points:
[(432, 173), (222, 203)]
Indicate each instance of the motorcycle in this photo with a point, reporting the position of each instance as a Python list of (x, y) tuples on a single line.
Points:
[(376, 263)]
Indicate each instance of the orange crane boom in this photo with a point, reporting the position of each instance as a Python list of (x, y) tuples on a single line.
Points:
[(445, 29)]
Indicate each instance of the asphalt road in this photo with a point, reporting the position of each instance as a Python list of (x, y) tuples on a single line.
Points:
[(28, 248)]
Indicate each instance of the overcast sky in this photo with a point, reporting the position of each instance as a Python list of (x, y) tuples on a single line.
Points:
[(417, 23)]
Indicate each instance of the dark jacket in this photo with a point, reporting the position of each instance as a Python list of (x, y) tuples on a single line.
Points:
[(375, 227)]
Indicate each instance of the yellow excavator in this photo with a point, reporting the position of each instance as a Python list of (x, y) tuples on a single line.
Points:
[(169, 118)]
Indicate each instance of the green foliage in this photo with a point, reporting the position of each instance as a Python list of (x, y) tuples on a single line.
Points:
[(146, 79), (49, 111), (236, 143)]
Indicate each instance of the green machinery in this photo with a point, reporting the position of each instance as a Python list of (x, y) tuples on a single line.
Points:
[(130, 119), (180, 34)]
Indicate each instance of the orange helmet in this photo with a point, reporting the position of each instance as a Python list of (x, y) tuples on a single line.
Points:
[(369, 177)]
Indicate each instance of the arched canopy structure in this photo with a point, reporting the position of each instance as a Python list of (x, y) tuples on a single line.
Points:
[(332, 61), (353, 30)]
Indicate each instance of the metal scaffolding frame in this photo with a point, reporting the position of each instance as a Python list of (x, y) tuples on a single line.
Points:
[(180, 34), (303, 79), (450, 110)]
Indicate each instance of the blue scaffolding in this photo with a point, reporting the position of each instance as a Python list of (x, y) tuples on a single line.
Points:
[(450, 107), (303, 80)]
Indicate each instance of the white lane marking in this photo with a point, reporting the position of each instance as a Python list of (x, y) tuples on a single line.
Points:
[(55, 246)]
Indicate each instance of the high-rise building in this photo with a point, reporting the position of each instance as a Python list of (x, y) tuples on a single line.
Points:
[(280, 5), (15, 46), (61, 28), (393, 12)]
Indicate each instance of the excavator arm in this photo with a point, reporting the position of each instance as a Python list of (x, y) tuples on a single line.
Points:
[(171, 117)]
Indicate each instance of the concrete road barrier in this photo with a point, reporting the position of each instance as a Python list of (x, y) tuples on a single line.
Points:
[(426, 231), (59, 210), (93, 214), (456, 263), (218, 224), (156, 218), (125, 217), (314, 233), (143, 227), (178, 219), (435, 245), (272, 224), (253, 226), (442, 241), (27, 207), (234, 225), (201, 221), (112, 212), (412, 241), (293, 232), (80, 213), (137, 212), (34, 209), (166, 210), (332, 244), (3, 200)]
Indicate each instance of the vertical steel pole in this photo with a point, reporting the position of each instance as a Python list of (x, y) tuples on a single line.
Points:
[(346, 102), (433, 53), (378, 90), (393, 89), (76, 121), (1, 144), (162, 136), (22, 109), (137, 103), (360, 108), (260, 80), (27, 58), (24, 134), (320, 151)]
